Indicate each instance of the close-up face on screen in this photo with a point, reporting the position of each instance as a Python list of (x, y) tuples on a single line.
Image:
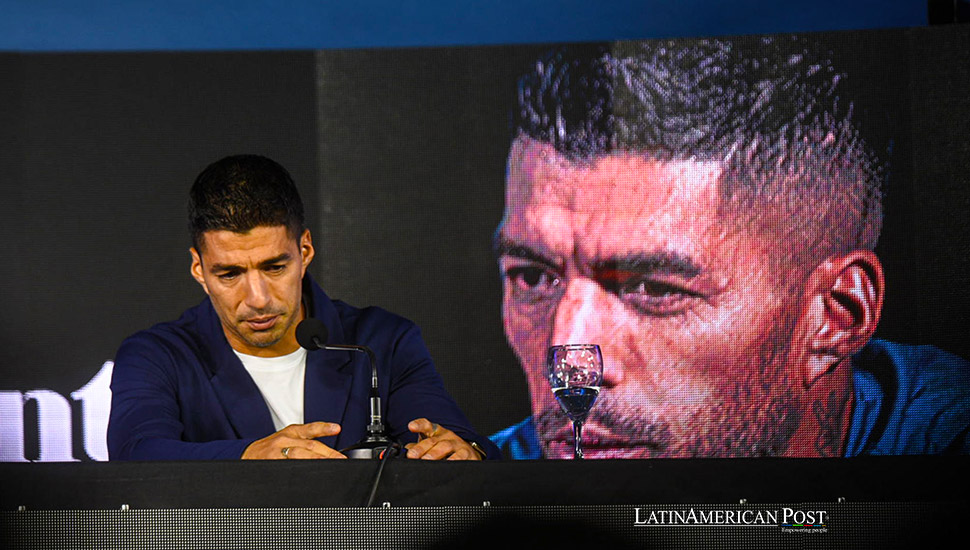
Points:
[(707, 212), (695, 323), (661, 223)]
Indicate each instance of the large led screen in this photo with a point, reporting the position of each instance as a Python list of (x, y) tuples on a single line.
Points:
[(765, 235)]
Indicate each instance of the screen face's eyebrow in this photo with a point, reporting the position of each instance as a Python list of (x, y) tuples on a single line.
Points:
[(614, 268), (282, 258), (503, 246), (657, 263)]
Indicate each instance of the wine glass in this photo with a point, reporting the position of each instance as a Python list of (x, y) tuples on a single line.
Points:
[(575, 373)]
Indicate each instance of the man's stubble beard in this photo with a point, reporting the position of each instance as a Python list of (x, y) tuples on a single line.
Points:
[(270, 338)]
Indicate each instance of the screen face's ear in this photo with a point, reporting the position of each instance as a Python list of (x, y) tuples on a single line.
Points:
[(846, 300)]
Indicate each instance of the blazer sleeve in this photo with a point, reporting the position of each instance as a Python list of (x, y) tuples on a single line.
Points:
[(146, 420)]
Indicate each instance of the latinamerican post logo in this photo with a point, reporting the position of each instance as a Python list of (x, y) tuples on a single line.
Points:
[(789, 520)]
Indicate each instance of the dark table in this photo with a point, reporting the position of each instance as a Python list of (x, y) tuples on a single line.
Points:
[(732, 503)]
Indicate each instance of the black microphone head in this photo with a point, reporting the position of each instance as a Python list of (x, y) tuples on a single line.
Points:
[(311, 333)]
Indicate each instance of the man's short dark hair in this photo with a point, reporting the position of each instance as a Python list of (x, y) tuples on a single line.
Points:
[(767, 109), (242, 192)]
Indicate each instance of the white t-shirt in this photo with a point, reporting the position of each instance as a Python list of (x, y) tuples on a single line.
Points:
[(280, 380)]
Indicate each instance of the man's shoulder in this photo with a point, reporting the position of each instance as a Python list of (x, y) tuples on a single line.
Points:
[(909, 399), (908, 356), (519, 441), (368, 314), (914, 372), (371, 322), (187, 334), (351, 318)]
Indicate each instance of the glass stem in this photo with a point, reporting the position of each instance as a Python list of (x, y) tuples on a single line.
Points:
[(577, 439)]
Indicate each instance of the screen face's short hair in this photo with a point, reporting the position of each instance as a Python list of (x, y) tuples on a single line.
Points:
[(768, 110), (239, 193)]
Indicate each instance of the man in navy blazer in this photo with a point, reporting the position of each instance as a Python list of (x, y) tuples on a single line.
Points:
[(228, 379)]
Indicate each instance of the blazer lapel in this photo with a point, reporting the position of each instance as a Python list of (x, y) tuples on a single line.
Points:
[(237, 392), (329, 376), (326, 388)]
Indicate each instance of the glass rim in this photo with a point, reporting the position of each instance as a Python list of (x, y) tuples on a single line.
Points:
[(573, 346)]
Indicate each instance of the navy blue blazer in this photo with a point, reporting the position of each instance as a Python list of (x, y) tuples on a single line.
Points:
[(180, 393)]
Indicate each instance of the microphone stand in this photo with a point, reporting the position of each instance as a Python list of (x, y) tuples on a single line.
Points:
[(312, 333), (376, 442)]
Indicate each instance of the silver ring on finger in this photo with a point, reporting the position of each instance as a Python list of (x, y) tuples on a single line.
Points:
[(286, 452)]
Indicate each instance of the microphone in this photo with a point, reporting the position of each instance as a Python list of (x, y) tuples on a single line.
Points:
[(312, 334)]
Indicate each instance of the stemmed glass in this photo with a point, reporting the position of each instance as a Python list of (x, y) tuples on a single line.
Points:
[(575, 373)]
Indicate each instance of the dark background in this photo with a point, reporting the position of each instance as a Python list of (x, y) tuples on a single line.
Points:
[(400, 156), (413, 145), (98, 152)]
